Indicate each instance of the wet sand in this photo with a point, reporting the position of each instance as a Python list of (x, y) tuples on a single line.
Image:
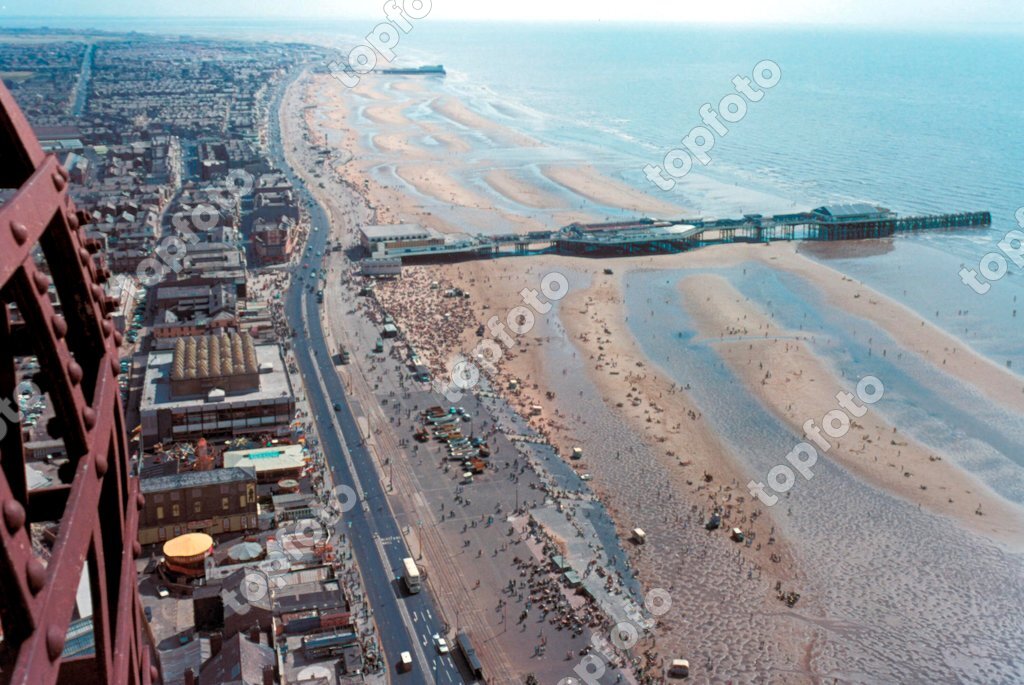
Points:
[(661, 480), (519, 191), (466, 145), (779, 368), (457, 111), (596, 187)]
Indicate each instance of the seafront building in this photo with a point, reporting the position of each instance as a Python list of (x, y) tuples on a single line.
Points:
[(149, 130), (382, 240), (214, 502), (271, 464), (215, 386)]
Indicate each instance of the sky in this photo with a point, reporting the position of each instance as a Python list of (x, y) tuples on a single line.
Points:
[(891, 13)]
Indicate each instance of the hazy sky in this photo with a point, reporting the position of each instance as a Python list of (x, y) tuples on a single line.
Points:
[(896, 13)]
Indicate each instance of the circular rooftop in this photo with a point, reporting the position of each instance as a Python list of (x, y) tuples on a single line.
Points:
[(188, 546), (245, 551)]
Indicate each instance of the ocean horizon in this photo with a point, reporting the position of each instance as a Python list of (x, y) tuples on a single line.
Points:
[(784, 461)]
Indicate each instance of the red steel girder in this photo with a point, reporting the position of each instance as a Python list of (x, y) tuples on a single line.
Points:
[(97, 506)]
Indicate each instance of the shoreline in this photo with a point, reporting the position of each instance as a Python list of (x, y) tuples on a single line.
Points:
[(631, 387), (783, 381)]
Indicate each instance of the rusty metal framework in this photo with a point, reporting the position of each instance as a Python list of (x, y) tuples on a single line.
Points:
[(95, 505)]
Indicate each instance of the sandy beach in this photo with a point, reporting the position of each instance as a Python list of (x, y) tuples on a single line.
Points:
[(653, 456), (781, 370), (587, 182)]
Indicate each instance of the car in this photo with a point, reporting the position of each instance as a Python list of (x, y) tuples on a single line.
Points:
[(337, 407), (586, 476), (163, 592), (441, 644), (467, 416)]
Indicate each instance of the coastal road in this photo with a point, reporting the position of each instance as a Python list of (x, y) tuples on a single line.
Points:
[(404, 622)]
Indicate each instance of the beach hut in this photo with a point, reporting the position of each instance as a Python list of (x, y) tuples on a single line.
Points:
[(560, 563)]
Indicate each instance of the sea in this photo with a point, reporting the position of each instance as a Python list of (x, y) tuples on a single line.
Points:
[(919, 122)]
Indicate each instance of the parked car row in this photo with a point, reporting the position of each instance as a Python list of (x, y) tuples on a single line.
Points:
[(445, 425)]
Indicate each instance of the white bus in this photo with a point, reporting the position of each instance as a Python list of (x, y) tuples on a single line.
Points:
[(412, 575)]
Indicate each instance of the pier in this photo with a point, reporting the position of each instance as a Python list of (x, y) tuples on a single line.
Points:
[(653, 236)]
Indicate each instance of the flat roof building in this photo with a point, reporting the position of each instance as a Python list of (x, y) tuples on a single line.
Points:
[(210, 390), (271, 464), (379, 239), (294, 506), (855, 211), (211, 502)]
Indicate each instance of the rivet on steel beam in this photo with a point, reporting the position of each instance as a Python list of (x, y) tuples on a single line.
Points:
[(60, 325), (75, 373), (73, 222), (54, 642), (115, 367), (107, 326), (58, 182), (42, 282), (14, 516), (63, 173), (154, 674), (140, 501), (36, 573), (97, 292), (20, 232), (101, 465), (118, 338), (136, 549), (84, 256), (89, 417)]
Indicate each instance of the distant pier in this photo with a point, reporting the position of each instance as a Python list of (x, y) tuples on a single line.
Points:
[(651, 236)]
